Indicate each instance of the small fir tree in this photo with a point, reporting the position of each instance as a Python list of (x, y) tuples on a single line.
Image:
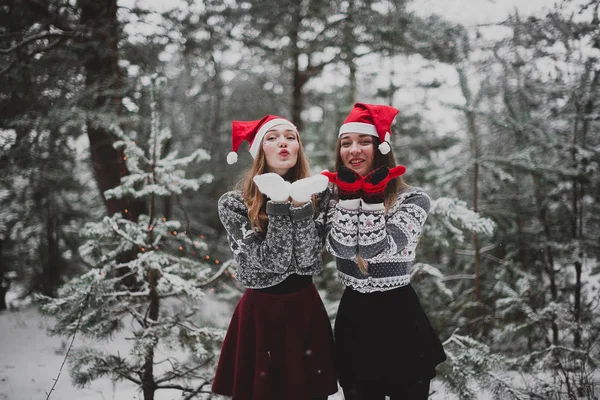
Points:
[(157, 289)]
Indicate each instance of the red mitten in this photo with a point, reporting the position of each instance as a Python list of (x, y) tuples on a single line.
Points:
[(376, 181), (348, 182)]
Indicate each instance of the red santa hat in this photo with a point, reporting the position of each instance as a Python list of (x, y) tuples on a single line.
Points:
[(253, 132), (371, 119)]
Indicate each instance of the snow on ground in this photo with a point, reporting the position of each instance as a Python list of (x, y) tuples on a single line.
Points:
[(30, 361)]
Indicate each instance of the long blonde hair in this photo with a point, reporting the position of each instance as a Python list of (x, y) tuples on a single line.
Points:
[(392, 190), (256, 201)]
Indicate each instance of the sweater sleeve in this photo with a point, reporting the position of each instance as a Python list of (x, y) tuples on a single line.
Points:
[(271, 252), (309, 230), (341, 239), (382, 236)]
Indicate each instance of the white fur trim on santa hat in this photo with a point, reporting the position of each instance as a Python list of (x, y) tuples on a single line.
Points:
[(232, 157), (264, 129), (358, 127)]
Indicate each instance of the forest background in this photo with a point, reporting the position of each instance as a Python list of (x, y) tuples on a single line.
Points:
[(103, 228)]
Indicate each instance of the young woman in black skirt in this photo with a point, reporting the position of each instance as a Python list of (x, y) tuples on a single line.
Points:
[(385, 345), (279, 344)]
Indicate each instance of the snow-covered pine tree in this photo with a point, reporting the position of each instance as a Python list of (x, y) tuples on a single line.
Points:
[(549, 297), (537, 161), (449, 223), (157, 291), (43, 201)]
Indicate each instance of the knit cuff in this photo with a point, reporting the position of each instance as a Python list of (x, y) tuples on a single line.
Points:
[(372, 207), (351, 205), (305, 211), (274, 208)]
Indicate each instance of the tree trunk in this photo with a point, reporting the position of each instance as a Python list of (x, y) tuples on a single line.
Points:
[(549, 257), (4, 285), (476, 246), (350, 56), (578, 196), (102, 85), (148, 382), (297, 98), (4, 282), (577, 206), (53, 264), (352, 89), (577, 305), (297, 79)]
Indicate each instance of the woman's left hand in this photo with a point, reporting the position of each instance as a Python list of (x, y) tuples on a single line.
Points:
[(375, 182), (348, 182), (302, 190)]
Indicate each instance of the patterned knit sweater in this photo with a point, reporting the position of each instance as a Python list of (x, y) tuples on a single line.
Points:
[(386, 240), (292, 243)]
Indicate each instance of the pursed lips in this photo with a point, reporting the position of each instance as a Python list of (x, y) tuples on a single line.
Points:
[(284, 153)]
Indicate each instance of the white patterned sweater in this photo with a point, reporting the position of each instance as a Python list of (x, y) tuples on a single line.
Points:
[(292, 243), (386, 240)]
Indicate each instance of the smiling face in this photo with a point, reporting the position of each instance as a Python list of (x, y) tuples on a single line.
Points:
[(280, 146), (357, 152)]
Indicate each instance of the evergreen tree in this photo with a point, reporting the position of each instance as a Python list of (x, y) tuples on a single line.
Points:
[(528, 123), (550, 310), (45, 201), (45, 196), (169, 277)]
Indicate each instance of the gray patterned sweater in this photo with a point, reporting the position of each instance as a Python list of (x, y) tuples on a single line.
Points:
[(292, 243), (387, 241)]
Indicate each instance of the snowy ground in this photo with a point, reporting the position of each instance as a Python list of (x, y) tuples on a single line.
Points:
[(30, 361)]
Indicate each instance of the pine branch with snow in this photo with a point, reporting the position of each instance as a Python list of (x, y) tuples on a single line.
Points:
[(450, 219)]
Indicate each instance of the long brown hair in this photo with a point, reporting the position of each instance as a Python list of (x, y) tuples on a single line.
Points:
[(256, 201), (392, 190)]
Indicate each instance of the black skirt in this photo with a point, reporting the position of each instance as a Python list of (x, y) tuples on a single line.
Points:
[(384, 340)]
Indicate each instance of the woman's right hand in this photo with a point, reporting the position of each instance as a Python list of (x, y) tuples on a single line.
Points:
[(273, 186), (348, 182)]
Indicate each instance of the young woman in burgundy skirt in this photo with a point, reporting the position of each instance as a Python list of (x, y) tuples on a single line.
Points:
[(279, 344), (385, 345)]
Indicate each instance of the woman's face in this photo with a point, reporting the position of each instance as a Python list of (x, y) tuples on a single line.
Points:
[(357, 152), (280, 146)]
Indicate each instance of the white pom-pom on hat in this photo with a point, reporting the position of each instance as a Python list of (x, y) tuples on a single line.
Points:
[(232, 157), (384, 148)]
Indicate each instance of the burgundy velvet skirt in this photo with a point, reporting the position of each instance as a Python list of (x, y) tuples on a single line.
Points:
[(278, 346)]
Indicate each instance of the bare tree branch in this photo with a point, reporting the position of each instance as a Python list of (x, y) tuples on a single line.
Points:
[(32, 53), (175, 375), (195, 392), (81, 311), (33, 38)]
